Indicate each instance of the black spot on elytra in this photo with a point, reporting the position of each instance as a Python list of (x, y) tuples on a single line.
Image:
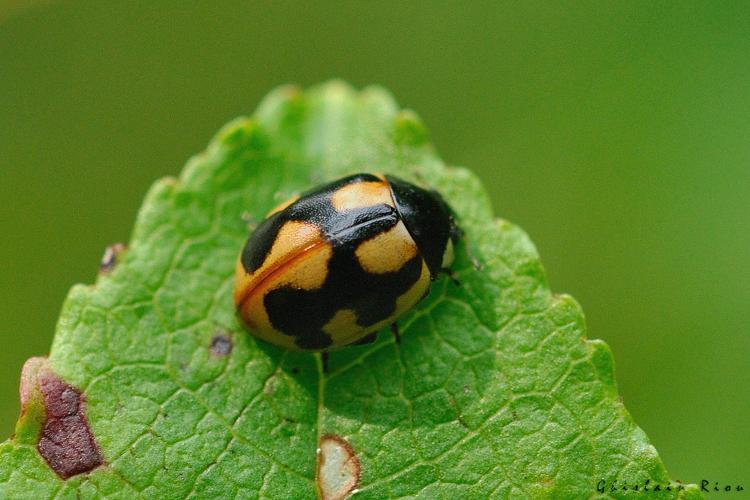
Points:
[(312, 206), (372, 297)]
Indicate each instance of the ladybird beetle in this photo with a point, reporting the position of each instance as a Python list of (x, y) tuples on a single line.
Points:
[(332, 267)]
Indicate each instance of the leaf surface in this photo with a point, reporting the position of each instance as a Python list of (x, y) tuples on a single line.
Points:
[(494, 390)]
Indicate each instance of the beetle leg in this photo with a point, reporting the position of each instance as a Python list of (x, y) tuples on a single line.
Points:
[(324, 359), (456, 233), (449, 272), (367, 339), (396, 335)]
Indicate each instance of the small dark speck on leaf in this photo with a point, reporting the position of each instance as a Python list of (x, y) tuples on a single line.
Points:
[(221, 344), (110, 258), (295, 370)]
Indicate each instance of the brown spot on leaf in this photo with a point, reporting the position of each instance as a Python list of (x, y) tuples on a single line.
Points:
[(338, 469), (221, 344), (110, 258), (66, 442)]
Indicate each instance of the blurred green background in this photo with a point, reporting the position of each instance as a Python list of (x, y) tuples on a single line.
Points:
[(617, 134)]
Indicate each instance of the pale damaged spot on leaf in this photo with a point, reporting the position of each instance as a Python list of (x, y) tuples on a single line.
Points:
[(338, 469), (65, 440), (111, 257), (29, 380), (221, 344)]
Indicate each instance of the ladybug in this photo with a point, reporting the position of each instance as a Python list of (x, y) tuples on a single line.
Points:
[(333, 266)]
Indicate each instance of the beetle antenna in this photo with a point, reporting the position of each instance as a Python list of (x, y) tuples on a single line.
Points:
[(458, 234), (249, 221), (396, 334), (324, 359)]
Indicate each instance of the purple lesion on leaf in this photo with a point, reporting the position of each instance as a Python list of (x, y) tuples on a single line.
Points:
[(65, 440)]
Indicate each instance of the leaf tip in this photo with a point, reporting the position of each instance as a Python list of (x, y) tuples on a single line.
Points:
[(603, 361), (32, 406), (410, 130), (338, 89), (242, 133)]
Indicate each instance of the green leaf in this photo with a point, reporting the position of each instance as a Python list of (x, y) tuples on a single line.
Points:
[(494, 390)]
